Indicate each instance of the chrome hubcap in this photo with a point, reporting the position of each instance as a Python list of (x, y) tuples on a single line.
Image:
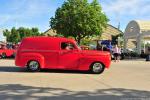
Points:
[(97, 67), (33, 65), (3, 54)]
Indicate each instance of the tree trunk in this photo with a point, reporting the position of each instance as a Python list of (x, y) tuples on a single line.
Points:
[(79, 39)]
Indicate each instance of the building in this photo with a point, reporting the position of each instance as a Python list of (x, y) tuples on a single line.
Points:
[(110, 32), (50, 32), (107, 34), (136, 32)]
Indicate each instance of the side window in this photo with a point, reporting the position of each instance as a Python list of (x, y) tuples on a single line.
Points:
[(63, 45), (67, 46)]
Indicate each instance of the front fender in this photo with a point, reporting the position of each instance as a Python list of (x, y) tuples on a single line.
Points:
[(86, 61)]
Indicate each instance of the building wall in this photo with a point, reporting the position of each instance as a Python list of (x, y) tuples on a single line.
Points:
[(109, 32), (106, 35), (50, 32)]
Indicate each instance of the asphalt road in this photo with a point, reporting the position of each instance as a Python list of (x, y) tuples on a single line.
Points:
[(126, 80)]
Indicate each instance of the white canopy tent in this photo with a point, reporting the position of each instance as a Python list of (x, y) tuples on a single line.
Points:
[(2, 38), (137, 30)]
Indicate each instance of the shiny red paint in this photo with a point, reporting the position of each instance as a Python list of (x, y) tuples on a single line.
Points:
[(7, 52), (48, 52)]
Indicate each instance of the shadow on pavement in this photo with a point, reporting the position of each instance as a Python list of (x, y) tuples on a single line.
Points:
[(21, 92), (11, 69), (17, 69)]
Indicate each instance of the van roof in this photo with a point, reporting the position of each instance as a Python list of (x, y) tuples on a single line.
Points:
[(46, 37), (43, 42)]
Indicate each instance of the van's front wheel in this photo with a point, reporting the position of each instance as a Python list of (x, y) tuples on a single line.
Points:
[(33, 66), (97, 68)]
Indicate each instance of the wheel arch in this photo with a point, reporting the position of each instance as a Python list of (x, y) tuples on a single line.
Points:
[(3, 53), (96, 62), (33, 57)]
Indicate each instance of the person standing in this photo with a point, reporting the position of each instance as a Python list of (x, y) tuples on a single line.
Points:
[(116, 52)]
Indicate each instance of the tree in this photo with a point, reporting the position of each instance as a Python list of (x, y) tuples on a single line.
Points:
[(21, 31), (16, 35), (6, 33), (35, 32), (79, 19)]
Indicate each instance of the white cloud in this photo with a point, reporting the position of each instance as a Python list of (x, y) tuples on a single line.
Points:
[(37, 7), (124, 7), (26, 9), (124, 11), (4, 19), (24, 13)]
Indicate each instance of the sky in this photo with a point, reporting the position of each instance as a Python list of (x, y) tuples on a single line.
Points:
[(37, 13)]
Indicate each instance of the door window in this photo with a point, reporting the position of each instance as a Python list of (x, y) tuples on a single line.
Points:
[(67, 46)]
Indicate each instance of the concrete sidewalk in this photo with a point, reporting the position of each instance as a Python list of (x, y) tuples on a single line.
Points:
[(126, 80)]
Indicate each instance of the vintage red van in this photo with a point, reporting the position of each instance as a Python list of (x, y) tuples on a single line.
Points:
[(37, 53)]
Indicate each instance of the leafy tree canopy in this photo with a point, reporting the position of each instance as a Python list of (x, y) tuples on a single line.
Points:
[(16, 35), (79, 19)]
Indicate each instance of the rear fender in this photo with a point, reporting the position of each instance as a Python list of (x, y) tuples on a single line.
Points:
[(26, 57)]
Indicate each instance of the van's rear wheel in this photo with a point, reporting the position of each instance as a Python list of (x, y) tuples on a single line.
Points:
[(33, 66), (3, 55), (97, 68)]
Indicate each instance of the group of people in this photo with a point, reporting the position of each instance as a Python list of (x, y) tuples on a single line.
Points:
[(114, 50), (8, 46)]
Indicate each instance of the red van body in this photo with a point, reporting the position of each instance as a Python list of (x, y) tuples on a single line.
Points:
[(47, 53)]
